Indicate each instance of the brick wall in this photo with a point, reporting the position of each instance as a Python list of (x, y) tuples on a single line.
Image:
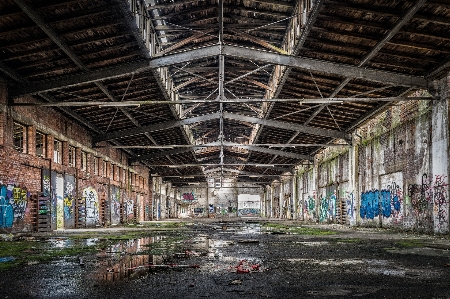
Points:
[(24, 169)]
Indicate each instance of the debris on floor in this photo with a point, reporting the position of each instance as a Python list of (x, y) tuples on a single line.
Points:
[(246, 267)]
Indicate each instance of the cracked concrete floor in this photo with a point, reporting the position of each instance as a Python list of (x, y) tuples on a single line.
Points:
[(243, 259)]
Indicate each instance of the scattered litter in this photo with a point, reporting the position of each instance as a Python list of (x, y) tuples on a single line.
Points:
[(236, 282), (6, 259), (245, 267)]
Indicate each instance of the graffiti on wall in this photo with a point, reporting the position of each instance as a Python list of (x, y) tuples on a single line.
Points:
[(13, 204), (429, 195), (92, 207), (440, 187), (68, 200), (387, 201), (129, 208), (421, 196), (115, 205), (350, 205), (188, 197), (327, 208), (369, 204), (249, 212)]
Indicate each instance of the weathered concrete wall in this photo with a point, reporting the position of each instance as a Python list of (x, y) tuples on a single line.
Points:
[(395, 174)]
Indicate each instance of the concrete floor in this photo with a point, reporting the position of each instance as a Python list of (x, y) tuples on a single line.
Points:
[(233, 258)]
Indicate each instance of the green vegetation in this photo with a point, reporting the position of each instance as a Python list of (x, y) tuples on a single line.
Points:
[(410, 243), (25, 252)]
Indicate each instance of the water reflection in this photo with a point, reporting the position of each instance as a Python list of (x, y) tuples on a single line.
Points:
[(126, 259)]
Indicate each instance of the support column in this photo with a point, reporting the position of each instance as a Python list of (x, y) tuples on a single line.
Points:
[(352, 194), (440, 156), (294, 197)]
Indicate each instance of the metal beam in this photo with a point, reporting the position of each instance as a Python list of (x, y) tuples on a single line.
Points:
[(326, 67), (184, 56), (157, 127), (238, 100), (10, 72), (228, 50), (220, 144), (289, 126), (79, 78), (270, 145), (274, 152)]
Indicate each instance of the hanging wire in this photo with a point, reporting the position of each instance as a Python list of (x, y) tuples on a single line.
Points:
[(316, 84), (288, 18), (117, 109), (333, 118)]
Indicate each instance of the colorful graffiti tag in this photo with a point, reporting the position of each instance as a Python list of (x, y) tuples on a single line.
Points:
[(327, 208), (92, 208), (249, 212), (387, 202), (369, 208), (13, 204), (68, 200), (188, 197)]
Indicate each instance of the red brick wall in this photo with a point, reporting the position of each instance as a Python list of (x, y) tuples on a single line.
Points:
[(24, 169)]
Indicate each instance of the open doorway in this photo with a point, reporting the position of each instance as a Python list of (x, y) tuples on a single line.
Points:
[(249, 205)]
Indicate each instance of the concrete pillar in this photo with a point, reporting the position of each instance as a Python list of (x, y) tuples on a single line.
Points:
[(352, 195), (294, 197), (440, 156), (315, 183)]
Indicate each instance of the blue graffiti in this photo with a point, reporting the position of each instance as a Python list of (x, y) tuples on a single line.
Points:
[(6, 209), (369, 204), (386, 203), (249, 212)]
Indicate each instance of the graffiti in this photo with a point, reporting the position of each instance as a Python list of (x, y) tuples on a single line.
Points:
[(18, 200), (327, 208), (440, 197), (369, 204), (115, 206), (350, 204), (46, 185), (188, 197), (92, 211), (6, 210), (311, 204), (198, 210), (68, 200), (387, 201), (249, 212), (13, 204), (420, 196), (129, 208)]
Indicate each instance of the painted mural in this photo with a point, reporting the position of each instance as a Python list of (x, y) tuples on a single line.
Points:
[(310, 207), (13, 205), (92, 207)]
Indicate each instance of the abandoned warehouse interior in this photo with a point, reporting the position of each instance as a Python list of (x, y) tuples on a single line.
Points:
[(123, 111)]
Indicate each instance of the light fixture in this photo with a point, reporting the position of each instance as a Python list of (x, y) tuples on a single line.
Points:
[(119, 104)]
